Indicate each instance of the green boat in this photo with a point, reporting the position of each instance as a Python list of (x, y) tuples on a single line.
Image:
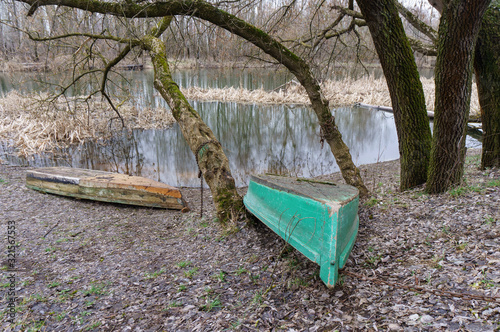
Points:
[(320, 219)]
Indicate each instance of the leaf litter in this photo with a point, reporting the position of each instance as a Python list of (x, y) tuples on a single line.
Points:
[(84, 265)]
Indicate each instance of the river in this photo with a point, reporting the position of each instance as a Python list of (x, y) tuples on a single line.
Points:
[(257, 138)]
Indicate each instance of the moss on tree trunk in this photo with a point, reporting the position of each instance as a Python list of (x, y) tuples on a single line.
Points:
[(211, 159), (403, 80), (487, 67), (458, 31)]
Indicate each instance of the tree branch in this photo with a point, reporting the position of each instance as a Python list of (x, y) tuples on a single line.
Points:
[(417, 23), (80, 34), (420, 47), (348, 12), (259, 38)]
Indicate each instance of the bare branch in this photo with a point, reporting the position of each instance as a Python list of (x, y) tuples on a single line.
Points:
[(417, 23), (80, 34), (348, 12), (420, 47)]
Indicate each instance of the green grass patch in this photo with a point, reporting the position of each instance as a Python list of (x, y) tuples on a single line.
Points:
[(371, 202), (240, 271), (184, 264), (190, 274), (154, 274), (211, 303), (174, 304), (493, 183), (96, 289), (53, 284), (93, 326)]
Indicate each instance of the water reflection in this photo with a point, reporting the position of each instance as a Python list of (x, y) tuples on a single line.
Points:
[(140, 83), (281, 139), (256, 138)]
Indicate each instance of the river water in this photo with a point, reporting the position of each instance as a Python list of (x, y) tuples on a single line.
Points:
[(257, 138)]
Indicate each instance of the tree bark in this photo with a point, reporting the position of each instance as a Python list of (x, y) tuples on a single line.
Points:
[(211, 159), (458, 31), (259, 38), (403, 80), (487, 68)]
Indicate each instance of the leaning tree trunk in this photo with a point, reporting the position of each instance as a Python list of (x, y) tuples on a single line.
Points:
[(210, 157), (296, 66), (405, 87), (487, 68), (458, 31)]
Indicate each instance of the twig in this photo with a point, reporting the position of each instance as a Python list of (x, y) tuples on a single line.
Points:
[(50, 230)]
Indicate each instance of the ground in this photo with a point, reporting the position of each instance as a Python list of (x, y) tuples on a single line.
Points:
[(83, 265)]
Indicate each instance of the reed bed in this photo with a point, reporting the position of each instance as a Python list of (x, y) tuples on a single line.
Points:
[(339, 93), (32, 125)]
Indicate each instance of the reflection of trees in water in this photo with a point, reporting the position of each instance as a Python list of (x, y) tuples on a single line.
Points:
[(368, 133), (118, 154), (280, 139)]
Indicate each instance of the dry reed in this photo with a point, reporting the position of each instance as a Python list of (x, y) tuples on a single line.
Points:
[(33, 125), (339, 93)]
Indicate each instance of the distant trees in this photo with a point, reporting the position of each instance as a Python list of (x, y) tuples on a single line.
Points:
[(188, 37)]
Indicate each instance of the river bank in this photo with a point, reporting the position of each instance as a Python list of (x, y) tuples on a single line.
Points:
[(83, 265)]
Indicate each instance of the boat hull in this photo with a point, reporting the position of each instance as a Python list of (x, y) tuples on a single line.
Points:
[(105, 187), (317, 218)]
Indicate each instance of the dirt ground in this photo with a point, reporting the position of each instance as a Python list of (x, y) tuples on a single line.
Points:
[(89, 266)]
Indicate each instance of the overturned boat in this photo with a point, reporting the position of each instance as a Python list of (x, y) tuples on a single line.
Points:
[(105, 186), (320, 219)]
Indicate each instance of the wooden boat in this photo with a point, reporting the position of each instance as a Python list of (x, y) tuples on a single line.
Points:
[(105, 186), (320, 219)]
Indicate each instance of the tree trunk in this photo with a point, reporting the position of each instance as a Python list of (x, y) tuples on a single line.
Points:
[(302, 72), (210, 157), (458, 31), (405, 88), (487, 68)]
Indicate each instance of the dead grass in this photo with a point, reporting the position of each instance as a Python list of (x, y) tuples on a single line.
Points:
[(339, 93), (33, 125)]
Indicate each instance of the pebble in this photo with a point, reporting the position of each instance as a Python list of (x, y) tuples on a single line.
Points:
[(413, 317), (394, 327)]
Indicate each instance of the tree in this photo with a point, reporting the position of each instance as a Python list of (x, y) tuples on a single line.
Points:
[(487, 68), (458, 31), (405, 88), (210, 157), (455, 48), (212, 161)]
